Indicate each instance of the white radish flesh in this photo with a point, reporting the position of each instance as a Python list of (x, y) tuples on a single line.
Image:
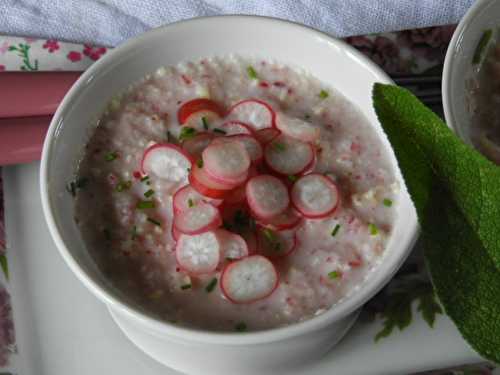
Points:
[(315, 195), (249, 279), (226, 162), (187, 197), (267, 196), (167, 162), (288, 156), (198, 254), (297, 128), (254, 112), (199, 218)]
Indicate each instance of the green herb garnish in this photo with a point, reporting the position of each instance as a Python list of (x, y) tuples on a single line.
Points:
[(211, 285), (149, 193), (323, 94), (190, 203), (335, 230), (186, 286), (333, 275), (187, 133), (373, 229), (5, 265), (483, 42), (252, 74), (307, 116), (269, 234), (141, 205), (461, 243), (154, 221), (220, 131), (110, 156), (240, 327), (145, 178), (123, 185), (199, 163), (292, 177), (205, 122), (279, 146), (387, 202)]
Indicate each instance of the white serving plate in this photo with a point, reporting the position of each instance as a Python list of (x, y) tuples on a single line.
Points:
[(62, 329)]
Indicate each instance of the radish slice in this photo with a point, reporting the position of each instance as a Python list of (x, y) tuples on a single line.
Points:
[(252, 146), (254, 112), (187, 197), (226, 162), (267, 196), (195, 146), (166, 161), (315, 195), (198, 219), (199, 107), (249, 279), (288, 156), (276, 244), (264, 136), (206, 186), (198, 254), (297, 128), (290, 219), (233, 246), (236, 127), (176, 234)]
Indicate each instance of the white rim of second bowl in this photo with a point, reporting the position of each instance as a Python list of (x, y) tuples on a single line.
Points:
[(335, 313)]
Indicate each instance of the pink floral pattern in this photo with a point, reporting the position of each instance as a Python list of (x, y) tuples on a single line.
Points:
[(51, 45), (74, 56), (93, 52)]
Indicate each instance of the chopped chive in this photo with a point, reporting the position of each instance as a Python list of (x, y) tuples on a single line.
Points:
[(123, 185), (134, 232), (205, 122), (145, 204), (111, 156), (240, 327), (199, 163), (211, 285), (483, 42), (220, 131), (334, 275), (170, 137), (149, 193), (153, 221), (292, 177), (186, 286), (387, 202), (335, 230), (279, 146), (145, 178), (190, 203), (323, 94), (187, 133), (269, 234), (373, 229), (252, 74), (107, 234), (188, 170)]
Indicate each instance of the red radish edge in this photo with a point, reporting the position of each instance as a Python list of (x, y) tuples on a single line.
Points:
[(196, 105), (268, 107), (204, 185), (236, 124), (266, 135), (306, 211), (227, 273), (185, 221), (156, 146)]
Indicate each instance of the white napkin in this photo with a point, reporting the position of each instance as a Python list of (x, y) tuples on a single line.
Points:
[(109, 22)]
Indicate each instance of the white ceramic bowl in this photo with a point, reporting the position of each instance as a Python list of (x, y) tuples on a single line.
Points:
[(483, 15), (189, 350)]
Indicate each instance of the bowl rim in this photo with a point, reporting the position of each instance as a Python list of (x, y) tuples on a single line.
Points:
[(156, 326), (448, 66)]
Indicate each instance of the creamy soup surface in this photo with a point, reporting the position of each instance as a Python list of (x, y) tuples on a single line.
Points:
[(266, 246)]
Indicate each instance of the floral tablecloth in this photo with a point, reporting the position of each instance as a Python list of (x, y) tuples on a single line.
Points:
[(418, 51)]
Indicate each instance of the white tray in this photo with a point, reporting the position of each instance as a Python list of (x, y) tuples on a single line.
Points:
[(62, 329)]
